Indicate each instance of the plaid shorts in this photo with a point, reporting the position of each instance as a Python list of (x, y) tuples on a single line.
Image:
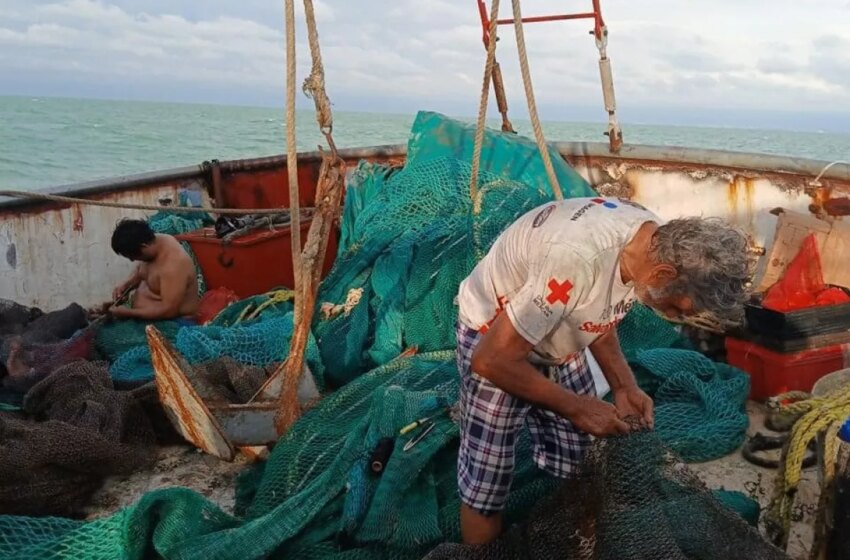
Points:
[(490, 423)]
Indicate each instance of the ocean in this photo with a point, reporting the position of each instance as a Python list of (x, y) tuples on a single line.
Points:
[(47, 142)]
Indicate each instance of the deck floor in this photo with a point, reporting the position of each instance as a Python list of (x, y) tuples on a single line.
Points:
[(215, 479), (733, 472)]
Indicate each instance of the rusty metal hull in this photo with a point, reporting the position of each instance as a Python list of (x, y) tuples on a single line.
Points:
[(186, 410), (217, 427), (51, 254)]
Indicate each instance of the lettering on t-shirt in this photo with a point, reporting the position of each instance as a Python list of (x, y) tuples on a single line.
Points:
[(621, 308), (580, 212), (542, 305), (593, 203), (599, 328), (543, 216)]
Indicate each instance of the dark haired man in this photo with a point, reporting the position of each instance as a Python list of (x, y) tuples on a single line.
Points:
[(164, 281)]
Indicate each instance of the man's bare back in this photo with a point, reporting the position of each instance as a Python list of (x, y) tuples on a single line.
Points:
[(164, 281)]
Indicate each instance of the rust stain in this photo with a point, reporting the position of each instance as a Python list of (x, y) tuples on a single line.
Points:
[(732, 198), (172, 393), (837, 206), (12, 255), (77, 213), (749, 189)]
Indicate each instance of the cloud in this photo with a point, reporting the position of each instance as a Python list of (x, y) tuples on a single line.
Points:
[(415, 54), (774, 64)]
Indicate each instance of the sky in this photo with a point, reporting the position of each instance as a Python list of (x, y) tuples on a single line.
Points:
[(783, 63)]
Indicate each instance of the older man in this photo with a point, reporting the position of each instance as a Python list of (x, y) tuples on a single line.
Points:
[(557, 282)]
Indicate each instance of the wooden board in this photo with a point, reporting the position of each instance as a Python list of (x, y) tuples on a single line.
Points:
[(833, 241)]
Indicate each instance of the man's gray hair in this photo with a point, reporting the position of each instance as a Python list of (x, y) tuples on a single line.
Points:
[(712, 262)]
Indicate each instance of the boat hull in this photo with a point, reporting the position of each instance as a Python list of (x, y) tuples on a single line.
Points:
[(52, 253)]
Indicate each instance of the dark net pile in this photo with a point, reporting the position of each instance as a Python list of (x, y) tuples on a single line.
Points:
[(632, 500), (226, 380), (33, 344), (74, 430)]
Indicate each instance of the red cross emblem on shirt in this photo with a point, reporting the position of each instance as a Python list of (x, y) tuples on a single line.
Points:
[(559, 291)]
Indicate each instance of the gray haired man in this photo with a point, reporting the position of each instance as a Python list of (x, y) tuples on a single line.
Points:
[(557, 282)]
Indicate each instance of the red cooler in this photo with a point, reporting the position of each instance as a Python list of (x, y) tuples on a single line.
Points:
[(254, 263), (772, 373)]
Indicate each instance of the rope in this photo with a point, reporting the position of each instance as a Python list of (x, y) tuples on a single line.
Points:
[(274, 297), (482, 106), (129, 206), (329, 188), (532, 105), (314, 85), (817, 415), (291, 158)]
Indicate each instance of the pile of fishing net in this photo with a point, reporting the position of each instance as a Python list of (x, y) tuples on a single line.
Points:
[(409, 236), (33, 344), (74, 429), (317, 497), (632, 499), (241, 332)]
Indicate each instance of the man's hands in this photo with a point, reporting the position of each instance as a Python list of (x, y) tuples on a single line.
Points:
[(599, 418), (118, 291), (120, 312), (631, 401), (596, 417)]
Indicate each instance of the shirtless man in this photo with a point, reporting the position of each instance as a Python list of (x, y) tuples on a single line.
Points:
[(164, 281)]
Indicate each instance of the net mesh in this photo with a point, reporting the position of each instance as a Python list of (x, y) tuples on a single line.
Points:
[(258, 342), (408, 250), (409, 237), (34, 344), (317, 498), (77, 430), (633, 499)]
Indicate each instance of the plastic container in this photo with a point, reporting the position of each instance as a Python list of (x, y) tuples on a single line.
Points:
[(787, 346), (772, 373), (798, 324), (252, 264)]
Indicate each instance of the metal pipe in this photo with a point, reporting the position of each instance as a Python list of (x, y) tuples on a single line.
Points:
[(539, 19), (219, 194)]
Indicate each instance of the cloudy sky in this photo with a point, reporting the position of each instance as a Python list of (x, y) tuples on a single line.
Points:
[(675, 61)]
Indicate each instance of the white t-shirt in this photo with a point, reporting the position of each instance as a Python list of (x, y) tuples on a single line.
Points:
[(555, 272)]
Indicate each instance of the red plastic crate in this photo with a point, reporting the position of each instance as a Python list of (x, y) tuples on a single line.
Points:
[(772, 373), (252, 264)]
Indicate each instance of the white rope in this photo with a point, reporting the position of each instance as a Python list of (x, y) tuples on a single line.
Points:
[(291, 158), (129, 206), (482, 106), (532, 105)]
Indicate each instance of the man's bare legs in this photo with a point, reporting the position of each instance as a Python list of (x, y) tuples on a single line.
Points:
[(479, 529)]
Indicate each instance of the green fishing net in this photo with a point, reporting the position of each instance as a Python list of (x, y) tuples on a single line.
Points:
[(258, 342), (409, 237), (316, 496)]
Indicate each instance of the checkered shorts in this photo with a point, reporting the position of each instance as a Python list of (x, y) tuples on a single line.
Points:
[(490, 423)]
